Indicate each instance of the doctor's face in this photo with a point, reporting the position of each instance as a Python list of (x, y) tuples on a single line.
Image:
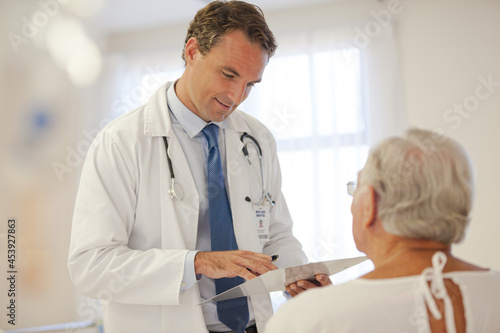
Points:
[(217, 82)]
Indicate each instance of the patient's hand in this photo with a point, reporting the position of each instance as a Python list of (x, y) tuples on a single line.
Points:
[(302, 285)]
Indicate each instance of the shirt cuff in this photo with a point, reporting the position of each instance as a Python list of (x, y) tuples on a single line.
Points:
[(189, 278)]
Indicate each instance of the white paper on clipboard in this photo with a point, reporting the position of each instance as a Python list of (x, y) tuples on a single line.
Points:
[(277, 280)]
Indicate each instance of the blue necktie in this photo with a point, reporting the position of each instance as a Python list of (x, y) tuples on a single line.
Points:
[(234, 312)]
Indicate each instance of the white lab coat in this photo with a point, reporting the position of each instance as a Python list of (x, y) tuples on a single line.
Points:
[(129, 239)]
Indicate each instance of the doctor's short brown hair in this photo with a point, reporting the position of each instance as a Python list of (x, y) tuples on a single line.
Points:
[(219, 18)]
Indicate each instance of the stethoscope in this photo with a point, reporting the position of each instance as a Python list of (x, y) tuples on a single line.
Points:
[(175, 190), (265, 196)]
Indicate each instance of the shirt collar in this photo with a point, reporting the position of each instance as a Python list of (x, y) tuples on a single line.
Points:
[(191, 123)]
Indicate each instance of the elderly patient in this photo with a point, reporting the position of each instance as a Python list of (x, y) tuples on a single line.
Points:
[(412, 201)]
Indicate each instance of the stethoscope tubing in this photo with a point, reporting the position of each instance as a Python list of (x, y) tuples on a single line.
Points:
[(265, 196)]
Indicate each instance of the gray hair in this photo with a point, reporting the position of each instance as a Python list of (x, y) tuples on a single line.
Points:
[(424, 186)]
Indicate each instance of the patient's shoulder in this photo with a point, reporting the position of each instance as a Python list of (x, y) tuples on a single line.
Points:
[(416, 267)]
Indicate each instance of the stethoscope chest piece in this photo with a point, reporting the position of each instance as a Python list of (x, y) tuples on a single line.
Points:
[(175, 191)]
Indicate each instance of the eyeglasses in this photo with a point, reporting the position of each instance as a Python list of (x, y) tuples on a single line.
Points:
[(351, 187)]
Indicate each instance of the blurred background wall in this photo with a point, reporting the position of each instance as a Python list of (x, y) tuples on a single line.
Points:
[(451, 75), (59, 62)]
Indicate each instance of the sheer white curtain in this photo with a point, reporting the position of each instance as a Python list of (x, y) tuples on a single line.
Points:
[(326, 101)]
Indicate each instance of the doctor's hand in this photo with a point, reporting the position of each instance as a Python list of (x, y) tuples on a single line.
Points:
[(220, 264), (302, 285)]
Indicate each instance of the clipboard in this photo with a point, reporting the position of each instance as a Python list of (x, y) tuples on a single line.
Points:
[(276, 280)]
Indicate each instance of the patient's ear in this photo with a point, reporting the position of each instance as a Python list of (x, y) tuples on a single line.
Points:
[(370, 206)]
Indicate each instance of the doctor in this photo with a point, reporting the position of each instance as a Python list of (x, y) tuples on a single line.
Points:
[(148, 251)]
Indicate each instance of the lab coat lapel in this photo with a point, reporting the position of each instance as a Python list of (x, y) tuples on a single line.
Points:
[(158, 125), (189, 206), (242, 211)]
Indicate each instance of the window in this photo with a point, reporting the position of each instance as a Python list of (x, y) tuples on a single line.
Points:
[(313, 104), (327, 101)]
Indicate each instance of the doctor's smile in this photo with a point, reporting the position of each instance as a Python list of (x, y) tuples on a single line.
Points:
[(225, 107)]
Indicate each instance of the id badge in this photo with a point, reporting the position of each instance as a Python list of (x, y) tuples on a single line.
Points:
[(262, 222)]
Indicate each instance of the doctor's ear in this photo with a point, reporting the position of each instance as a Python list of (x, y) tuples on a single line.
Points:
[(191, 49)]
